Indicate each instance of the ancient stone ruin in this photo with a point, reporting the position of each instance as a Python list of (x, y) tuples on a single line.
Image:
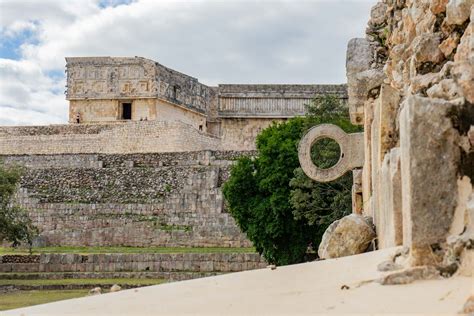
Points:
[(141, 163), (411, 85), (171, 140)]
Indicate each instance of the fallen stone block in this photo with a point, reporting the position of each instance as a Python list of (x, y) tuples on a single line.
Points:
[(348, 236)]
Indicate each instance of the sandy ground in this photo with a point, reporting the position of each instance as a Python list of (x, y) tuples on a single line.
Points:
[(303, 289)]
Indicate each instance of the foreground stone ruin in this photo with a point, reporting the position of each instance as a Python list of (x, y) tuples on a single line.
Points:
[(418, 118), (411, 85)]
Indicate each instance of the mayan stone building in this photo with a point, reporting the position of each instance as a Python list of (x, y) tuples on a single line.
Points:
[(145, 153), (106, 89)]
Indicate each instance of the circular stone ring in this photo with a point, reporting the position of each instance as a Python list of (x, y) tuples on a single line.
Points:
[(352, 152)]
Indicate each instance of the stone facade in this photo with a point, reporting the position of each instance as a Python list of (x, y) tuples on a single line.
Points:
[(110, 89), (170, 199), (135, 105), (109, 138), (171, 267), (411, 84)]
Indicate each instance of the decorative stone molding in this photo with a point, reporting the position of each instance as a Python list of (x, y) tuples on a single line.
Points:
[(352, 152)]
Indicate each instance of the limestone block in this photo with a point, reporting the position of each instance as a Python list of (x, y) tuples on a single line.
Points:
[(367, 169), (446, 89), (467, 263), (377, 14), (389, 104), (449, 44), (395, 205), (438, 6), (426, 48), (356, 192), (388, 220), (463, 68), (429, 164), (420, 82), (375, 159), (348, 236), (359, 87), (360, 77), (462, 221), (457, 11), (359, 56), (465, 50)]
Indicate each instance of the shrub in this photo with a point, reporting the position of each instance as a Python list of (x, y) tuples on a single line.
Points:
[(15, 224), (281, 220)]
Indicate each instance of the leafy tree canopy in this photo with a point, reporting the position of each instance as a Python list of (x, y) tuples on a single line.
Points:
[(281, 210)]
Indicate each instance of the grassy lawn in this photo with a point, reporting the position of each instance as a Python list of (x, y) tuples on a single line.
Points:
[(28, 298), (130, 281), (96, 250)]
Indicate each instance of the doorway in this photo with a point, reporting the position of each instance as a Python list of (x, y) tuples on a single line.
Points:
[(126, 111)]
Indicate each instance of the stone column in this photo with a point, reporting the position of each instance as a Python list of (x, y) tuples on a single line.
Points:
[(430, 157)]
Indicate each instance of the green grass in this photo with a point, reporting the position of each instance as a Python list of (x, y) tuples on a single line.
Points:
[(98, 250), (28, 298), (119, 281)]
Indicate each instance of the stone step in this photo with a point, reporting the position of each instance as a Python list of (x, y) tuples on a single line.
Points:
[(159, 263), (169, 276), (6, 288)]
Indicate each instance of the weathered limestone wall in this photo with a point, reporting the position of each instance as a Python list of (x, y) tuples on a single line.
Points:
[(411, 85), (240, 133), (94, 110), (167, 266), (128, 137), (117, 78), (172, 199), (109, 111), (171, 113), (271, 101)]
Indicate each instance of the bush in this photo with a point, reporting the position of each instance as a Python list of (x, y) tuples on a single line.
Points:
[(15, 224), (281, 220)]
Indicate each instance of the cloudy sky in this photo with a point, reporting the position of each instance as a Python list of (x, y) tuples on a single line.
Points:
[(226, 41)]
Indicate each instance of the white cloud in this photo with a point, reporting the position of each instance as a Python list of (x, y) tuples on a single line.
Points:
[(28, 95), (214, 41)]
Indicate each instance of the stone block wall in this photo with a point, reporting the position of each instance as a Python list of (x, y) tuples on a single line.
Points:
[(237, 133), (167, 266), (168, 199), (110, 138), (411, 85)]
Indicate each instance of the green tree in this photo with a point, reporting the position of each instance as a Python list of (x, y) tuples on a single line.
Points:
[(277, 218), (15, 224), (258, 192), (318, 203)]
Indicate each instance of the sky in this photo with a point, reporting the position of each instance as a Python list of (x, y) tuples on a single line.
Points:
[(226, 41)]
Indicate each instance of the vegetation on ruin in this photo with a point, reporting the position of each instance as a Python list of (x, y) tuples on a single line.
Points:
[(15, 225), (282, 211), (122, 249)]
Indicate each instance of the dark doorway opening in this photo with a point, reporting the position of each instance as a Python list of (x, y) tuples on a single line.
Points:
[(126, 111)]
